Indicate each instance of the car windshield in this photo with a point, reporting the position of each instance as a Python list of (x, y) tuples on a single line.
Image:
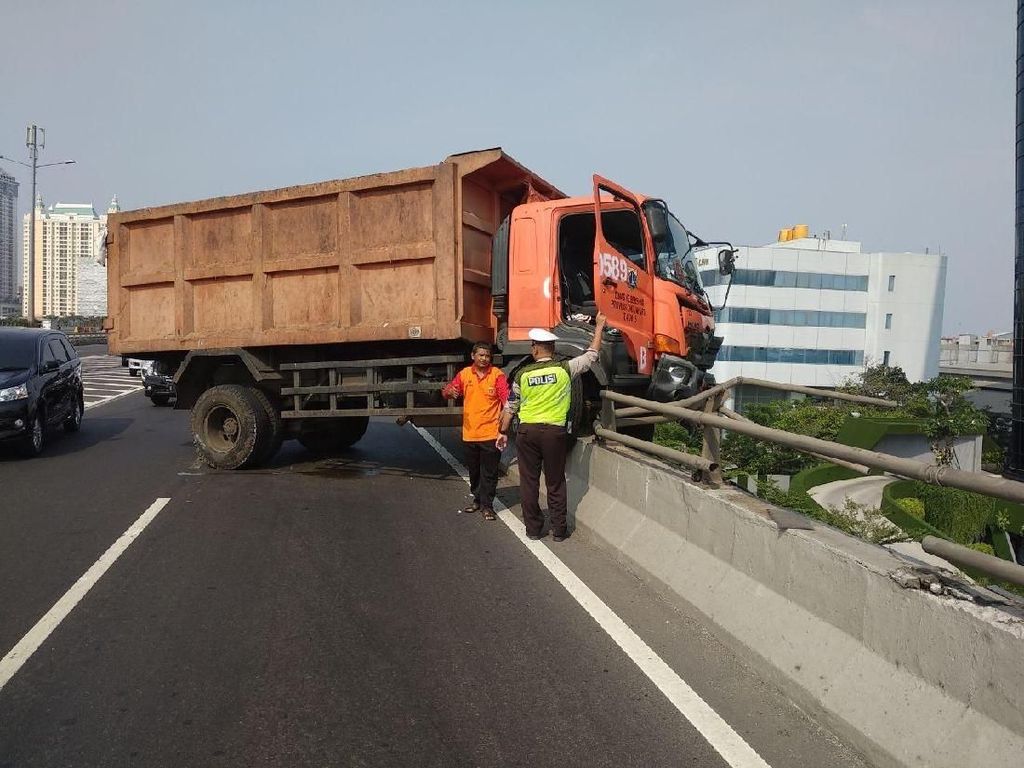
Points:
[(17, 353), (675, 260)]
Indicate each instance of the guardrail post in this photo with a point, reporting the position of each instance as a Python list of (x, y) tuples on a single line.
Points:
[(712, 448), (608, 414)]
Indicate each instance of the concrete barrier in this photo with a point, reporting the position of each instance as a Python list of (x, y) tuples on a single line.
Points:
[(907, 677), (82, 339)]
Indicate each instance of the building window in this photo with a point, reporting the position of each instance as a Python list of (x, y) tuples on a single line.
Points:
[(885, 358), (892, 283), (801, 318), (888, 321), (791, 355), (774, 278)]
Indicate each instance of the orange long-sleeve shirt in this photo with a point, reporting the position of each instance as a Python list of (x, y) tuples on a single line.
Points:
[(483, 397)]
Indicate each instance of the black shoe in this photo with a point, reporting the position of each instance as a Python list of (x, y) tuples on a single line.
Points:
[(535, 536), (560, 536)]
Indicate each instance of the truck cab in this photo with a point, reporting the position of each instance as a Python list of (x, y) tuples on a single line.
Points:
[(622, 254)]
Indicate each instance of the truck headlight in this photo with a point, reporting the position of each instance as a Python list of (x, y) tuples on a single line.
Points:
[(11, 394)]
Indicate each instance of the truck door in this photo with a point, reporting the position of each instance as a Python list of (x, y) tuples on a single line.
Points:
[(623, 286)]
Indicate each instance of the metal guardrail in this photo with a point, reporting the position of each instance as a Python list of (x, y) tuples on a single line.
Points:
[(970, 558), (715, 417)]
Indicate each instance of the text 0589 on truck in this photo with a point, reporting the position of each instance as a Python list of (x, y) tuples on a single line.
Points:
[(302, 312)]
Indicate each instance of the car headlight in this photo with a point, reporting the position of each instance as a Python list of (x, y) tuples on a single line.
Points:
[(11, 394)]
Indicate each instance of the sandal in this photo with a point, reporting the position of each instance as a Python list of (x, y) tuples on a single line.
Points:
[(489, 514), (474, 507)]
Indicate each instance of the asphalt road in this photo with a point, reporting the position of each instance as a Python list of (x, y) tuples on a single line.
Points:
[(333, 612)]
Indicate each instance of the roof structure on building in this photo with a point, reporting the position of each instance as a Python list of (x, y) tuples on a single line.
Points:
[(74, 209)]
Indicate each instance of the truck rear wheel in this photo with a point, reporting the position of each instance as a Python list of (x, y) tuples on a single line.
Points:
[(335, 435), (229, 426), (271, 440)]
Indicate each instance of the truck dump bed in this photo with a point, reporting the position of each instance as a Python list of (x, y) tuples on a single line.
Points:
[(385, 257)]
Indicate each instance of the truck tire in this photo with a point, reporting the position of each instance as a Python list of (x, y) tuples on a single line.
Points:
[(274, 436), (336, 435), (228, 426)]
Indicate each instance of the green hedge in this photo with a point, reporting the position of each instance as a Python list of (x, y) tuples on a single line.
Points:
[(913, 506), (892, 496), (867, 431), (806, 479), (1000, 544), (964, 516)]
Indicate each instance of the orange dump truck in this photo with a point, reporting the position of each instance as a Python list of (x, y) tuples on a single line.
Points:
[(301, 312)]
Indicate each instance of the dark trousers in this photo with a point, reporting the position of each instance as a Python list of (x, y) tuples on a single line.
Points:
[(482, 462), (542, 446)]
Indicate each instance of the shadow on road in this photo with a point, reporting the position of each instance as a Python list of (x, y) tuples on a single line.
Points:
[(59, 443)]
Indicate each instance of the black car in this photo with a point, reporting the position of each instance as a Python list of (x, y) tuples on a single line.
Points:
[(40, 386), (158, 380)]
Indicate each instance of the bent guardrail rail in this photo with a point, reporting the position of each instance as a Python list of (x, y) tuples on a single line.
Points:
[(715, 417)]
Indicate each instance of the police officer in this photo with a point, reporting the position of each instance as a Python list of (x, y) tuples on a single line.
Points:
[(541, 395)]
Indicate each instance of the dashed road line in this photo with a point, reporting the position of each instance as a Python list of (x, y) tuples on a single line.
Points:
[(29, 644)]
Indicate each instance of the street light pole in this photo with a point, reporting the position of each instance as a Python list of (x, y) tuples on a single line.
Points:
[(35, 139), (31, 141)]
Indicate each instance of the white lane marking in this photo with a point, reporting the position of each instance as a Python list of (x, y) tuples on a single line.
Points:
[(718, 733), (19, 654), (105, 379), (106, 400)]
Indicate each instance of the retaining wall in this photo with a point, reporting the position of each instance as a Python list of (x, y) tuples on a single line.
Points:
[(907, 677)]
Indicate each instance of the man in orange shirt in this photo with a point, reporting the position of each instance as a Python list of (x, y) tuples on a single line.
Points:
[(484, 391)]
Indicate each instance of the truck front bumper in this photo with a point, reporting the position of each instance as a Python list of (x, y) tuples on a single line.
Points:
[(675, 379)]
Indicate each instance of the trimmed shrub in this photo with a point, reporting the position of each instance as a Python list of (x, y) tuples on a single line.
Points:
[(963, 516), (914, 527), (912, 506), (981, 546)]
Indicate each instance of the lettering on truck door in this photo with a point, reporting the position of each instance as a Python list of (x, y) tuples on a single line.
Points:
[(623, 286)]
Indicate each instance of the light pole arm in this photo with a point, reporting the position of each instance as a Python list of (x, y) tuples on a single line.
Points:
[(34, 145)]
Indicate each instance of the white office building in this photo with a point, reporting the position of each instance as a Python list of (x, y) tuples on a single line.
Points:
[(815, 311), (9, 287), (70, 272)]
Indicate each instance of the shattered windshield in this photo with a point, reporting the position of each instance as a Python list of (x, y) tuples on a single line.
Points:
[(675, 261)]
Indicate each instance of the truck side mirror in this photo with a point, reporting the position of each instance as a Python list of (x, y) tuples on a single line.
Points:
[(726, 261), (657, 220)]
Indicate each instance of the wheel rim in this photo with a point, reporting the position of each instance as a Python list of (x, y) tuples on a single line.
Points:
[(76, 417), (223, 428), (37, 434)]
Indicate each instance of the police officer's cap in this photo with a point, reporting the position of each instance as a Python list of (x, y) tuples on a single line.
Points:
[(539, 334)]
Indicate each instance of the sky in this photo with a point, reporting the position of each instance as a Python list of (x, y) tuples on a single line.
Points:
[(895, 118)]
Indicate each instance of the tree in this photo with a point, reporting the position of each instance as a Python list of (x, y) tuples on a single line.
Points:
[(802, 417), (885, 381)]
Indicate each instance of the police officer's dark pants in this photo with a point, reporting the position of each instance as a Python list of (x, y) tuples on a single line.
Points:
[(542, 446), (482, 458)]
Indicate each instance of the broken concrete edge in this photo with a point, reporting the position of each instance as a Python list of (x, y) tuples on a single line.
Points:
[(905, 676)]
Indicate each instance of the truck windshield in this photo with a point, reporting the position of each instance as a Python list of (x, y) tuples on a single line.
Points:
[(675, 260)]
